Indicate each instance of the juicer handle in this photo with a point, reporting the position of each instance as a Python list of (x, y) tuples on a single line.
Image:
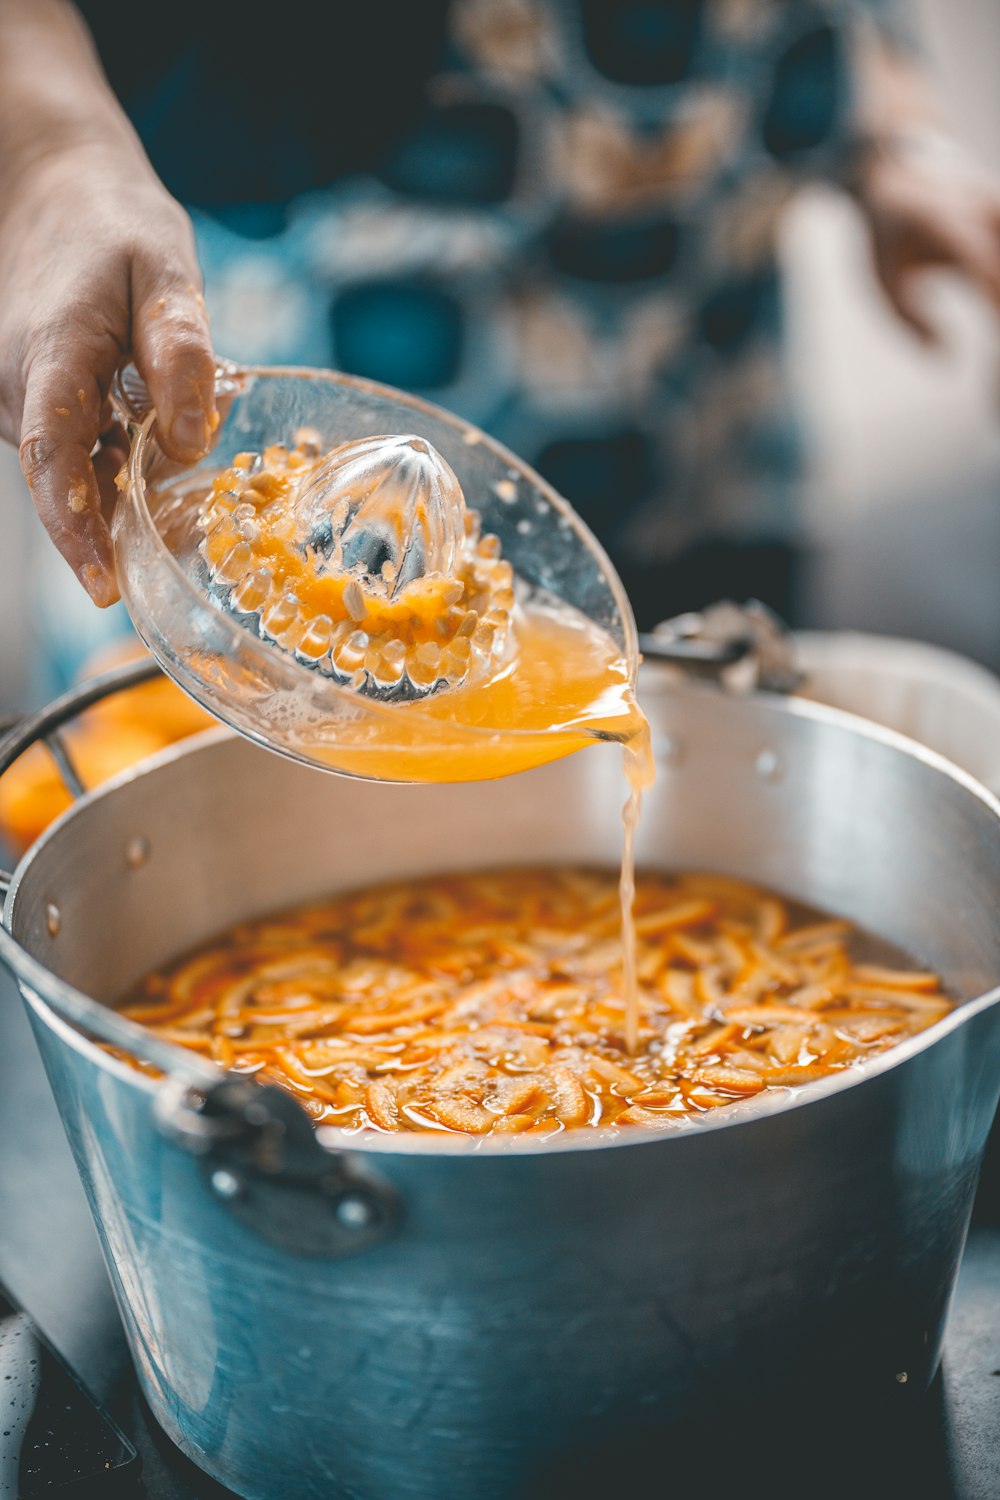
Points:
[(130, 400)]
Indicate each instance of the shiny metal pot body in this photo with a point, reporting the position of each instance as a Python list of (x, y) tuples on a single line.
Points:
[(547, 1297)]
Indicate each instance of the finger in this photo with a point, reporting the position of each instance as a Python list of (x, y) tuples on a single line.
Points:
[(109, 462), (974, 245), (908, 305), (58, 431), (173, 352), (902, 290)]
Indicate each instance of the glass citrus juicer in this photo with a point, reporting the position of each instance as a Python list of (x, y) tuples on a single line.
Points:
[(364, 582)]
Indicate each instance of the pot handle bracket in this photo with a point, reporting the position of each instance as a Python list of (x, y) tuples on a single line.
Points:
[(260, 1157), (739, 646)]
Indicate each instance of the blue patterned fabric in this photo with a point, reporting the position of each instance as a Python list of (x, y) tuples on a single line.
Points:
[(571, 241), (555, 217)]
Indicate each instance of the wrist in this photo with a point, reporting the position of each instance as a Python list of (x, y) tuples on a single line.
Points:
[(919, 146), (44, 143), (54, 98)]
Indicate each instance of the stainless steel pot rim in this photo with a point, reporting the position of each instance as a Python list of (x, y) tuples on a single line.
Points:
[(35, 980)]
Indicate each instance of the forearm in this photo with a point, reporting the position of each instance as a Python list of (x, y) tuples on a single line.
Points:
[(53, 93), (927, 206), (97, 264), (894, 91), (899, 115)]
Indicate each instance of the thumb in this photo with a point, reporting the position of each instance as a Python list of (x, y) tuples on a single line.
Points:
[(905, 297)]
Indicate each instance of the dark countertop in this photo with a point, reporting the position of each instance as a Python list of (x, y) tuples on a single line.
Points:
[(50, 1261)]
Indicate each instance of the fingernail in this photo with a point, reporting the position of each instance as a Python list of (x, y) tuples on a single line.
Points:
[(99, 584), (189, 430)]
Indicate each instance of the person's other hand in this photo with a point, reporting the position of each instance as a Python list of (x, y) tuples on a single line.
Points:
[(97, 264), (921, 219)]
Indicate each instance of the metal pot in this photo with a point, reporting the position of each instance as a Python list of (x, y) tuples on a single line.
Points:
[(443, 1319)]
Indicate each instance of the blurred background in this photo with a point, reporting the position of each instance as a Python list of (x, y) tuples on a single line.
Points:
[(899, 527), (904, 444)]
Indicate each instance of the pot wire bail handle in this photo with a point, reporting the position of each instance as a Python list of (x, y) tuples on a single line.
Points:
[(19, 733), (258, 1151), (738, 646), (45, 727), (8, 723)]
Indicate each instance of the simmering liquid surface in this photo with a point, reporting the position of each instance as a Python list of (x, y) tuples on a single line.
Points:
[(496, 1002)]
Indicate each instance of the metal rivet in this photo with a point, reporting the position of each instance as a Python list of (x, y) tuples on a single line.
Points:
[(226, 1184), (137, 851), (769, 766), (354, 1212), (667, 750), (53, 919), (902, 1377)]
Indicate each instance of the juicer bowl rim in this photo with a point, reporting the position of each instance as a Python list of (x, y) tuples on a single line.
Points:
[(261, 651), (452, 1144)]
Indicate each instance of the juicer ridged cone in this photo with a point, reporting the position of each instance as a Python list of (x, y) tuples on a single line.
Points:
[(392, 593)]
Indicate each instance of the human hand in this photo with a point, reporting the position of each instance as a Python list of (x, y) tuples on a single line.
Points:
[(97, 264), (921, 219)]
